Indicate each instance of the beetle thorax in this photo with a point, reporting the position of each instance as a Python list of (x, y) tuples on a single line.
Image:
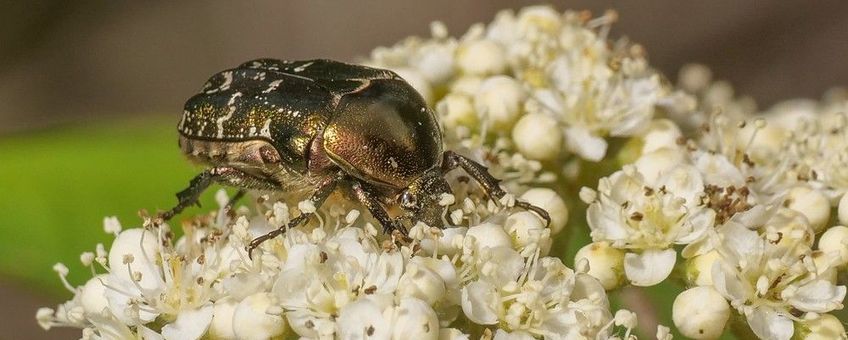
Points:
[(384, 134)]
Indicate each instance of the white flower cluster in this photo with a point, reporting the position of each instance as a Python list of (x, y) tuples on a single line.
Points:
[(334, 278), (534, 73), (750, 200)]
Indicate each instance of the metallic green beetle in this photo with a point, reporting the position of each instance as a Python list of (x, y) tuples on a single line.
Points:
[(309, 126)]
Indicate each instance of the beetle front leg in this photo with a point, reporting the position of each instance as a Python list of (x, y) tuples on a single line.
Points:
[(490, 184), (371, 202), (223, 175), (323, 190)]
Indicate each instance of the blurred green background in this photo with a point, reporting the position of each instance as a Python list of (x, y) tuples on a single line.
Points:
[(90, 93)]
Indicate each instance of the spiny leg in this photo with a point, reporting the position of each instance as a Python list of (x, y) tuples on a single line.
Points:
[(490, 185), (323, 190), (232, 201), (371, 202), (223, 175)]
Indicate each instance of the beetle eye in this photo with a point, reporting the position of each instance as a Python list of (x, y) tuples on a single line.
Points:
[(408, 201)]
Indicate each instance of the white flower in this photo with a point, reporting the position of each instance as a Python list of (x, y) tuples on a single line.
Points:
[(764, 280), (700, 313), (646, 219), (546, 299)]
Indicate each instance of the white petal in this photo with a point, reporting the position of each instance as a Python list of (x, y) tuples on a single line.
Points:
[(222, 319), (386, 272), (93, 295), (585, 144), (251, 320), (819, 296), (190, 324), (480, 302), (728, 284), (768, 324), (140, 248), (306, 324), (684, 181), (650, 267), (414, 319), (363, 319), (500, 334)]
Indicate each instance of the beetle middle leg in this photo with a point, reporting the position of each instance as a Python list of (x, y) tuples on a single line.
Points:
[(224, 175), (322, 191), (371, 202), (490, 184)]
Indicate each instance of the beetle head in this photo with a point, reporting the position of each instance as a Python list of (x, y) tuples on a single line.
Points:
[(420, 200)]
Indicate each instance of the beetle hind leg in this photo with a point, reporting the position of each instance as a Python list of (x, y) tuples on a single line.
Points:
[(490, 184)]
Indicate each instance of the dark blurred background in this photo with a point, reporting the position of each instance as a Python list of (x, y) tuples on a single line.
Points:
[(90, 92)]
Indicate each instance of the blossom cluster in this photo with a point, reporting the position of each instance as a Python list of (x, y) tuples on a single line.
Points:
[(745, 208), (746, 200), (335, 278)]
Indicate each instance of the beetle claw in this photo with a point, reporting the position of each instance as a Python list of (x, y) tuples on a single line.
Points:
[(539, 211)]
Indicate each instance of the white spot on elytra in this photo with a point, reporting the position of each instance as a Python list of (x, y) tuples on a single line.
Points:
[(228, 79), (266, 129), (233, 98), (393, 162), (303, 67), (220, 121), (273, 86)]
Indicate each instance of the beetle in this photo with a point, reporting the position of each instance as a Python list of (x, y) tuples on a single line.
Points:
[(315, 125)]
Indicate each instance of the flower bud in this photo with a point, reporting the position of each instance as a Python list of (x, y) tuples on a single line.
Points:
[(824, 327), (700, 313), (699, 268), (251, 320), (538, 136), (835, 241), (418, 82), (605, 263), (457, 110), (662, 133), (420, 282), (552, 203), (481, 57), (489, 235), (526, 228), (498, 101), (842, 211), (812, 203), (222, 319)]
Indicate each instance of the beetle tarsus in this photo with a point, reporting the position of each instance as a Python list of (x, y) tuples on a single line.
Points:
[(490, 185), (321, 193), (189, 196), (255, 243), (371, 203)]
